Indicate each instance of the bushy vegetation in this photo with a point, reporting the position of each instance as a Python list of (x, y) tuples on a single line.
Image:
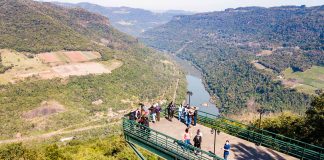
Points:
[(308, 128), (112, 147), (223, 45)]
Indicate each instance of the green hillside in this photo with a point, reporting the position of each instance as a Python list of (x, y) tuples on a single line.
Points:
[(223, 44), (36, 106)]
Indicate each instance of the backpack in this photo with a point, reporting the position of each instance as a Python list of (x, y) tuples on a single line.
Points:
[(132, 115)]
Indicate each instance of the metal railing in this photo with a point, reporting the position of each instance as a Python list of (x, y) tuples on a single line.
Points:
[(271, 140), (164, 143)]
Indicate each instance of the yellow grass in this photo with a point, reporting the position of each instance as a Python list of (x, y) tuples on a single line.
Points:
[(22, 65), (25, 67)]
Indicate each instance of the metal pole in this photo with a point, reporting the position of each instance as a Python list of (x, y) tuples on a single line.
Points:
[(189, 100), (260, 121), (215, 141)]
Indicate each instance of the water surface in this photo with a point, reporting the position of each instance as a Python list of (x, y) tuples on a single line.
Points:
[(200, 95)]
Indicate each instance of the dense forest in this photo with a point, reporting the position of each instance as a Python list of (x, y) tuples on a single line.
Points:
[(224, 44)]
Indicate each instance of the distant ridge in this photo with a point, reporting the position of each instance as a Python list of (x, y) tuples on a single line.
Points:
[(133, 21)]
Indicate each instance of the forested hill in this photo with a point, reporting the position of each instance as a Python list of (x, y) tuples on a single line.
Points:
[(242, 51), (132, 21), (88, 68), (33, 26)]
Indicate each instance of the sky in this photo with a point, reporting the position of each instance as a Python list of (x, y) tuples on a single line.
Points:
[(195, 5)]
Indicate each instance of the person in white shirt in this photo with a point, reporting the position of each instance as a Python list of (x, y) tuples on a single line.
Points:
[(180, 112)]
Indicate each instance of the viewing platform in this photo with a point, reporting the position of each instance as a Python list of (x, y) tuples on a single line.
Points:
[(240, 149), (164, 138)]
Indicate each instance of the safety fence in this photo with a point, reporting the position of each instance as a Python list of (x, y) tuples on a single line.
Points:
[(265, 138), (163, 144)]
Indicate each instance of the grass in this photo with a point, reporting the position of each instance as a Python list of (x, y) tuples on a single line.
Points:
[(309, 80), (21, 63)]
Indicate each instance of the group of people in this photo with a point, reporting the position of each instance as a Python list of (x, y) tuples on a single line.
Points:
[(144, 115), (198, 141), (186, 114)]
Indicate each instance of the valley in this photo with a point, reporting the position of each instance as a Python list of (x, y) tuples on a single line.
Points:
[(241, 57), (133, 21), (70, 74), (61, 74)]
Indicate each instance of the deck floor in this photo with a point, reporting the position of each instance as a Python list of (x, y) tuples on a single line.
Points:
[(240, 149)]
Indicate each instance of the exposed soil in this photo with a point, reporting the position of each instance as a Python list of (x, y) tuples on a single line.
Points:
[(264, 53), (76, 56), (46, 108), (80, 69)]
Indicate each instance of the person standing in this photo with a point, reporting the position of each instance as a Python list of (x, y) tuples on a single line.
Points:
[(180, 112), (158, 111), (153, 113), (226, 148), (169, 110), (186, 115), (197, 140), (195, 115), (190, 115), (186, 137), (173, 108)]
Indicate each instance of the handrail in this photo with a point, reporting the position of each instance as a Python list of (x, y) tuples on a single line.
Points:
[(266, 138), (272, 140), (164, 142), (261, 130)]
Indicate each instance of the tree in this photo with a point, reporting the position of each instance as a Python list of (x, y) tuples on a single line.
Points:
[(315, 121)]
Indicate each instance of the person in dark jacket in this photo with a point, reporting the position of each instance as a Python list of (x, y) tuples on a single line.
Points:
[(170, 109), (197, 140), (195, 116), (158, 111)]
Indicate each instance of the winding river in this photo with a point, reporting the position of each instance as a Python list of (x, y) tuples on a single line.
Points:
[(200, 97)]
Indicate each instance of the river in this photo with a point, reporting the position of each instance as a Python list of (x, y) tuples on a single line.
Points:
[(200, 97)]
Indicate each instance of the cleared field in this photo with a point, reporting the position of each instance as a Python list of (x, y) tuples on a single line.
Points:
[(80, 69), (23, 66), (51, 65), (307, 81), (264, 53), (68, 56), (259, 66)]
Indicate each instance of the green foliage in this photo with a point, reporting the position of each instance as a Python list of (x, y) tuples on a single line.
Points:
[(111, 147), (308, 128), (18, 151), (223, 44), (315, 121), (40, 27)]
